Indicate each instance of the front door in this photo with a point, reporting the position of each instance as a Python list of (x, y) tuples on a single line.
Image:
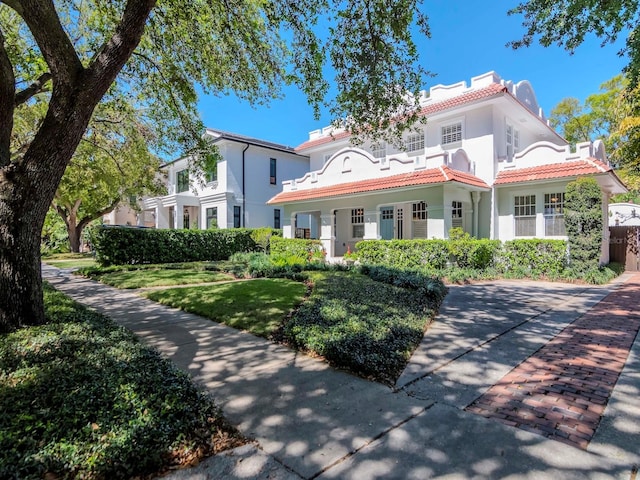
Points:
[(386, 223)]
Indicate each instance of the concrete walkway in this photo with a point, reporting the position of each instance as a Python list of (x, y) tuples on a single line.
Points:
[(311, 421)]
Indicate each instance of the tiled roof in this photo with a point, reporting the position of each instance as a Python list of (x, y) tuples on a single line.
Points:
[(574, 168), (457, 101), (424, 177)]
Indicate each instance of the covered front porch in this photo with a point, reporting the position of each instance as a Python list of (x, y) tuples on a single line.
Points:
[(413, 213)]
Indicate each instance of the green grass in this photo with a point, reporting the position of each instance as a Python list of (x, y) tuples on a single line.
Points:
[(368, 327), (70, 260), (257, 306), (157, 278), (82, 398)]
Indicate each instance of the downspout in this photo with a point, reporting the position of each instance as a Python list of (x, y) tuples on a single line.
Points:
[(244, 197)]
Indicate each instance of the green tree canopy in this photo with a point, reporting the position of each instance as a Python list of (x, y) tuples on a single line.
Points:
[(159, 55), (566, 23)]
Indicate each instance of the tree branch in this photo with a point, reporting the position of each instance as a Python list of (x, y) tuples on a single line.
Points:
[(14, 5), (90, 218), (109, 154), (56, 47), (33, 89), (110, 59), (7, 94)]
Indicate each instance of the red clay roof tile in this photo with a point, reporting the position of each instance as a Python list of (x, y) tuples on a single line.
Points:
[(574, 168), (469, 97), (424, 177)]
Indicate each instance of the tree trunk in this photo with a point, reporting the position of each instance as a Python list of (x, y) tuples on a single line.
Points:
[(74, 238), (22, 214), (28, 184)]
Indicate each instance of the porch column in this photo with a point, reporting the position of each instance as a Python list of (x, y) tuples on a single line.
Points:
[(162, 217), (287, 225), (327, 235), (475, 196), (370, 225)]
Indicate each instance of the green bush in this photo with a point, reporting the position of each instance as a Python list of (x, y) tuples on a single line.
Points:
[(262, 237), (366, 326), (82, 398), (412, 254), (126, 245), (583, 221), (297, 247), (428, 286), (534, 257), (469, 252)]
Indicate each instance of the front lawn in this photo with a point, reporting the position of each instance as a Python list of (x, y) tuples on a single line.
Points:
[(70, 260), (81, 398), (159, 278), (368, 327), (257, 306)]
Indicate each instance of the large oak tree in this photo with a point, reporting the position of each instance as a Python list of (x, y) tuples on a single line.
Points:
[(159, 53)]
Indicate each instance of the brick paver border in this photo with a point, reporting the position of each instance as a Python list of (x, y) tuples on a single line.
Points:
[(561, 390)]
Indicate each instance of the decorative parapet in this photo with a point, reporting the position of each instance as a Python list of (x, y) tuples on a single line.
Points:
[(542, 153)]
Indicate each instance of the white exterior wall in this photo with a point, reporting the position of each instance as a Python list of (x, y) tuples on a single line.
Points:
[(226, 191), (623, 214)]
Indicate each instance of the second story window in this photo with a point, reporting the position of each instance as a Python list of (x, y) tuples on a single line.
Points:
[(211, 175), (451, 133), (379, 150), (182, 181), (415, 142), (272, 171)]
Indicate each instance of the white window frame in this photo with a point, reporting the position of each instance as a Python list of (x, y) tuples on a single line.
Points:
[(524, 208), (415, 142), (457, 214), (379, 150), (554, 214), (419, 219), (452, 133), (357, 222)]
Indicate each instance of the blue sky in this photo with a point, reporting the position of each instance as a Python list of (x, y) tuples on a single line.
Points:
[(467, 39)]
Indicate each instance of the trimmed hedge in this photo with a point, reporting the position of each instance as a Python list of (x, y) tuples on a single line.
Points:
[(297, 247), (534, 257), (127, 245), (470, 252), (403, 254)]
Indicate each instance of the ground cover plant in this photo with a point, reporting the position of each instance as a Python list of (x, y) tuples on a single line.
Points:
[(257, 306), (364, 325), (82, 398)]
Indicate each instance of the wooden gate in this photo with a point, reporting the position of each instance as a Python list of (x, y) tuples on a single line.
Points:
[(624, 247)]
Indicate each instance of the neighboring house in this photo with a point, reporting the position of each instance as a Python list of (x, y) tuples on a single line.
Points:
[(249, 172), (624, 215), (486, 160), (125, 215)]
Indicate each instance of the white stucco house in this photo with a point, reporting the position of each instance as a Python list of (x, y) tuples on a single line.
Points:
[(624, 215), (234, 194), (485, 160)]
